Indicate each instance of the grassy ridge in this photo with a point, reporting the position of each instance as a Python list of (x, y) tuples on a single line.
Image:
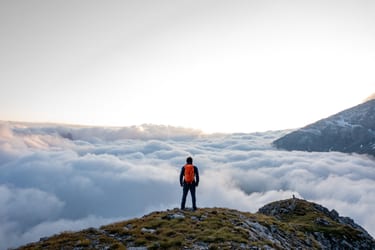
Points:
[(294, 224)]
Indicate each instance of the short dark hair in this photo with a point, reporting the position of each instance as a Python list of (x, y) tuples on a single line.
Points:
[(189, 160)]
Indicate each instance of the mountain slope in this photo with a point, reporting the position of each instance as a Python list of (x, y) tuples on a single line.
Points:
[(350, 131), (286, 224)]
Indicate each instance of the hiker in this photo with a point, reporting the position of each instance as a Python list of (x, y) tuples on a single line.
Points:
[(189, 179)]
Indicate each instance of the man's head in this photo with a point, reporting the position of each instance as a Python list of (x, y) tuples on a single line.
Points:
[(189, 160)]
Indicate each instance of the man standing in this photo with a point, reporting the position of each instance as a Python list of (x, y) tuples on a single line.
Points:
[(189, 179)]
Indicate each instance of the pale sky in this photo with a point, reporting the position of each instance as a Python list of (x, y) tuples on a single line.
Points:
[(218, 66)]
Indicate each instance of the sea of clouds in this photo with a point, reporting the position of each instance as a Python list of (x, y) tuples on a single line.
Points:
[(56, 178)]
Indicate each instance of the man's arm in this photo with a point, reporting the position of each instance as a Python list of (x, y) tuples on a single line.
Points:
[(182, 176), (196, 175)]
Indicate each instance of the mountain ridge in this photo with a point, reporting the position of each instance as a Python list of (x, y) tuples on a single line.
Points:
[(349, 131), (292, 223)]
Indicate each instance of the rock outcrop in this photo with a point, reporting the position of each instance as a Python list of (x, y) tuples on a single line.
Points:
[(287, 224), (325, 228)]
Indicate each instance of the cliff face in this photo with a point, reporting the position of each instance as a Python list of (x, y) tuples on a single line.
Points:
[(350, 131), (286, 224)]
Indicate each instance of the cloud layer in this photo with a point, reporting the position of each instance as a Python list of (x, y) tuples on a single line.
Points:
[(55, 178)]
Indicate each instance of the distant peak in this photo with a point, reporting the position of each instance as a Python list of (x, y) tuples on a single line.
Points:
[(349, 131), (371, 97)]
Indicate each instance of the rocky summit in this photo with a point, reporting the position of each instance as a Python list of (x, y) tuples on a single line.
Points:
[(350, 131), (286, 224)]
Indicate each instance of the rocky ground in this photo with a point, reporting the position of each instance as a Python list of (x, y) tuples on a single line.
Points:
[(287, 224)]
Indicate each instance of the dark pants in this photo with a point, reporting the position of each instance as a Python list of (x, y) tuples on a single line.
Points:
[(185, 191)]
